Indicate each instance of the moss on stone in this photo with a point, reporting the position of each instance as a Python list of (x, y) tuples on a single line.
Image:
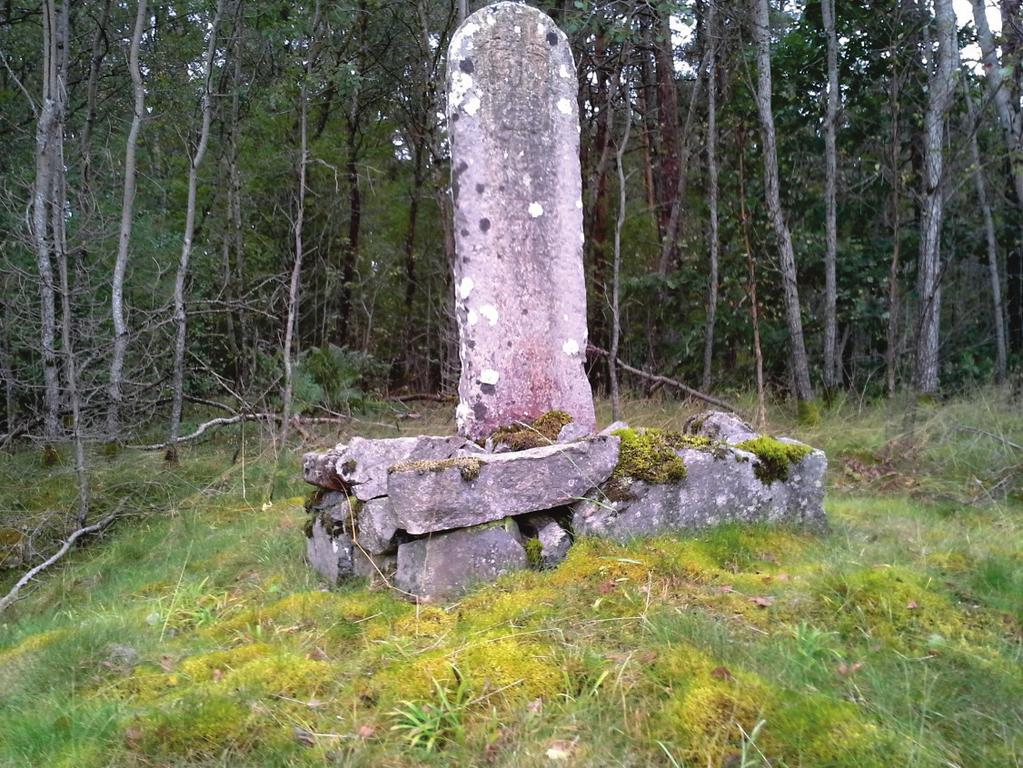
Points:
[(648, 455), (468, 466), (774, 457), (543, 430), (534, 553)]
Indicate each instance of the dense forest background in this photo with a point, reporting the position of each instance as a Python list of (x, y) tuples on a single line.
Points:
[(246, 204)]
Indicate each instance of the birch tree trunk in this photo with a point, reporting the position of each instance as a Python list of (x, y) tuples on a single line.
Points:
[(751, 287), (92, 94), (830, 178), (124, 237), (998, 91), (296, 267), (1001, 354), (712, 193), (48, 127), (939, 99), (616, 267), (180, 317), (772, 192)]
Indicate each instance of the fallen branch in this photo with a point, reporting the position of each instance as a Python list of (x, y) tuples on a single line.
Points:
[(664, 380), (11, 596), (992, 435), (436, 398), (222, 421), (225, 421)]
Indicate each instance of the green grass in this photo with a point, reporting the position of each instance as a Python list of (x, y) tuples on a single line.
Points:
[(193, 634)]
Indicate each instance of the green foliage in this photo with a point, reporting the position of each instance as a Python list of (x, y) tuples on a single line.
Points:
[(334, 378), (774, 457), (430, 725)]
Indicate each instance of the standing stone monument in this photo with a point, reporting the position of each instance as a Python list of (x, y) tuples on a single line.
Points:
[(520, 292), (432, 516)]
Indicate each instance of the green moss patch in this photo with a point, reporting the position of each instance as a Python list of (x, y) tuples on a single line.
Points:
[(543, 430), (468, 466), (774, 457), (650, 455)]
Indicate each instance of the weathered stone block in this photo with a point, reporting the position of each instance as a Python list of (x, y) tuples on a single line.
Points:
[(720, 426), (520, 293), (445, 565), (334, 556), (362, 464), (720, 486), (439, 496), (375, 526)]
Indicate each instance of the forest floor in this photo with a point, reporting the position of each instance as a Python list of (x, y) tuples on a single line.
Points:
[(193, 633)]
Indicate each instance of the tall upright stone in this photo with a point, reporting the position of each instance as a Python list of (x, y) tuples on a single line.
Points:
[(520, 291)]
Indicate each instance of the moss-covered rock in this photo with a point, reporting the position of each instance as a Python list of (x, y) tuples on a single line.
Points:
[(543, 430), (467, 466), (774, 457), (650, 455)]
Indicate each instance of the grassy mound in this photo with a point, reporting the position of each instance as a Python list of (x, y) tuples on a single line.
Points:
[(195, 635)]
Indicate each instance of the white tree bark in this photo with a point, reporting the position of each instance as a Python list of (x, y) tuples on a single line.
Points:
[(1009, 117), (124, 237), (296, 267), (180, 317), (712, 193), (939, 99), (48, 127), (772, 193), (830, 179), (616, 270)]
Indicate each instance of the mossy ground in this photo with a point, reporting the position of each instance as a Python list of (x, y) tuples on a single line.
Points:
[(896, 640)]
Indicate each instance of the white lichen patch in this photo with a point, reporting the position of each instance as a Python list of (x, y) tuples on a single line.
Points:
[(563, 71), (489, 312), (570, 347), (472, 106), (541, 30), (564, 106), (527, 179), (460, 85), (465, 287), (518, 29), (472, 318), (535, 210), (489, 376), (579, 202), (461, 413)]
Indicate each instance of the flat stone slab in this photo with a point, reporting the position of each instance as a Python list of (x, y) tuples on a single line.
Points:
[(477, 489), (445, 565), (361, 465), (720, 486), (520, 291)]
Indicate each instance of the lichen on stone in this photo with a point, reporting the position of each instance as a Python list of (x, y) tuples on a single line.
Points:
[(543, 430), (774, 457), (468, 466)]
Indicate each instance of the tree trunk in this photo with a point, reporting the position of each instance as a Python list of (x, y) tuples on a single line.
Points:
[(124, 237), (670, 143), (797, 348), (929, 271), (92, 94), (895, 266), (990, 241), (712, 194), (830, 179), (751, 287), (180, 317), (616, 325), (296, 267), (48, 129)]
